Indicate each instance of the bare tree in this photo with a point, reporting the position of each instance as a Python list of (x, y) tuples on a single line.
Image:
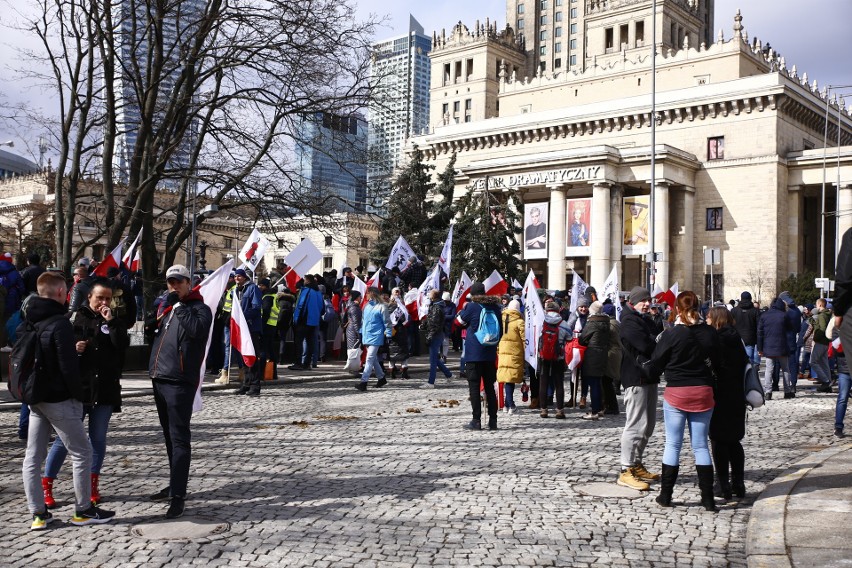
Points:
[(757, 279)]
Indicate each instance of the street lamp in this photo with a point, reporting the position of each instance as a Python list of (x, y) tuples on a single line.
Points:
[(824, 172), (206, 211)]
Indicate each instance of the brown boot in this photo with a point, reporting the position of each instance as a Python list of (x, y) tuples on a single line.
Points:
[(582, 402), (534, 403)]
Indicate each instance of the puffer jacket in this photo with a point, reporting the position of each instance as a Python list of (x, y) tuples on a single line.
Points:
[(595, 337), (772, 330), (251, 302), (180, 340), (613, 363), (101, 362), (468, 318), (435, 320), (352, 319), (375, 323), (58, 349), (309, 306), (510, 350), (565, 334), (637, 344)]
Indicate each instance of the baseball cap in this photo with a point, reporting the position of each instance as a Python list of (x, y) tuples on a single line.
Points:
[(177, 271)]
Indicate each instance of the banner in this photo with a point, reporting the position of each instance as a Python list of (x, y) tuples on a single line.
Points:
[(533, 319), (304, 257), (447, 253), (252, 252), (535, 230), (578, 239), (211, 290), (432, 282), (578, 288), (610, 290), (399, 254), (636, 233)]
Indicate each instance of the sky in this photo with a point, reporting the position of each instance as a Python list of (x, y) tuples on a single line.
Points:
[(817, 42)]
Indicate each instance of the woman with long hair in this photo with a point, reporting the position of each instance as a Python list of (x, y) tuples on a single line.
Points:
[(727, 426), (375, 330), (688, 354)]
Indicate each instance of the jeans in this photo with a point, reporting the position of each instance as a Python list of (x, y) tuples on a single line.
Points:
[(675, 422), (140, 308), (435, 362), (99, 416), (843, 384), (227, 343), (174, 408), (23, 421), (305, 340), (771, 364), (753, 355), (509, 395), (64, 417), (372, 364), (805, 367), (793, 363), (484, 371), (819, 363), (596, 392), (640, 410)]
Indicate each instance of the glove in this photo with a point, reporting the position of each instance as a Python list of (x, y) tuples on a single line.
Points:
[(172, 299)]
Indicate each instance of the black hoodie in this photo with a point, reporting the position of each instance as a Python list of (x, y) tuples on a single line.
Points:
[(745, 321), (58, 350)]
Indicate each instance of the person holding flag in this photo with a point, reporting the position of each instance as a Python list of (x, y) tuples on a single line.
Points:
[(250, 298), (177, 353)]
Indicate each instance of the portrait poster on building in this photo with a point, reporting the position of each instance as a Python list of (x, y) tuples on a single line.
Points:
[(578, 239), (636, 225), (535, 230)]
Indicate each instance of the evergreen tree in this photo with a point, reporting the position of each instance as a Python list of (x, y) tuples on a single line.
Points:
[(443, 210), (487, 233)]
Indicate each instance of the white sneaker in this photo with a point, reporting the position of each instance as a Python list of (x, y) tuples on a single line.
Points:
[(505, 410), (6, 349), (427, 386), (513, 411)]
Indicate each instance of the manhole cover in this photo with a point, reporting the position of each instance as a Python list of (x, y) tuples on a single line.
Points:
[(599, 489), (180, 529)]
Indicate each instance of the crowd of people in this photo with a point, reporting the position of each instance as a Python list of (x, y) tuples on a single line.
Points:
[(602, 348)]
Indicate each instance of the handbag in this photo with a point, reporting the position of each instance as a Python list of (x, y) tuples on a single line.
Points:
[(353, 360), (752, 387)]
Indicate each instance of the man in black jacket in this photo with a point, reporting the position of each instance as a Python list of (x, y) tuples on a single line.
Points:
[(640, 391), (183, 325), (60, 407), (745, 316), (843, 318)]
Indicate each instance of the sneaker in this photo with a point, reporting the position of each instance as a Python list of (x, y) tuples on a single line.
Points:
[(41, 520), (560, 415), (91, 516), (505, 410), (362, 386), (590, 416), (543, 413), (427, 386), (640, 472), (513, 411), (6, 349), (628, 479), (162, 495), (296, 367), (824, 387), (176, 508), (473, 425), (381, 382), (788, 395), (838, 433)]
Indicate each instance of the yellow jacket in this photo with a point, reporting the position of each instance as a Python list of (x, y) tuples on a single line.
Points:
[(510, 351)]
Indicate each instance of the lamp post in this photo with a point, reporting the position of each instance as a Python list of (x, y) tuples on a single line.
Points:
[(824, 173), (652, 209)]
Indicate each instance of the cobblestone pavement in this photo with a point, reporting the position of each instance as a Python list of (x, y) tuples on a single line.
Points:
[(320, 474)]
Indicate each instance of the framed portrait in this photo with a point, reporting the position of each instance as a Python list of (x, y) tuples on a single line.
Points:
[(579, 227), (636, 225), (535, 230), (714, 218)]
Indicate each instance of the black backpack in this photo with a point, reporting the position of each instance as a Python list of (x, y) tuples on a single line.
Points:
[(26, 364)]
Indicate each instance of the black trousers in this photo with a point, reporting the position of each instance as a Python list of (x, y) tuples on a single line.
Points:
[(270, 347), (551, 373), (254, 376), (174, 408), (486, 371)]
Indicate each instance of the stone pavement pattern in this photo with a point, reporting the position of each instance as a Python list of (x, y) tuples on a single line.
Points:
[(318, 474)]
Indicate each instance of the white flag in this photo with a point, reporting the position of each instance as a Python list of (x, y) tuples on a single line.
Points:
[(254, 249), (533, 319), (446, 253), (610, 290), (211, 289), (578, 288), (304, 257), (515, 284), (432, 282), (399, 254)]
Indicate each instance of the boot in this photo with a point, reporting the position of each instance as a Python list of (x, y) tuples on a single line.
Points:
[(47, 486), (737, 486), (705, 484), (533, 403), (393, 372), (242, 377), (582, 402), (668, 480), (723, 486), (222, 379), (96, 495), (405, 373)]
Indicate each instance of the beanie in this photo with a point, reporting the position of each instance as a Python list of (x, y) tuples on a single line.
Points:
[(639, 294)]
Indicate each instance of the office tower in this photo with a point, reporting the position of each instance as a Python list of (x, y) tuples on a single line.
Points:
[(331, 156), (399, 104)]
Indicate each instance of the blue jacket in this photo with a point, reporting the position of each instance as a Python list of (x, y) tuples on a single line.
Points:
[(310, 302), (474, 351), (794, 316), (251, 302), (14, 284), (375, 324), (772, 329)]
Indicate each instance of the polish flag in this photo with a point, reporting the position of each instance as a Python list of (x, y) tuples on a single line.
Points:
[(113, 259), (515, 284), (495, 285), (670, 297), (374, 282), (291, 279), (132, 254), (658, 292), (211, 290), (240, 334), (461, 291), (135, 263), (359, 285)]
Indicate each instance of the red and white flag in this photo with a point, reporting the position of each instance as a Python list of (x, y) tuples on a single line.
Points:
[(461, 291), (240, 333), (670, 297), (112, 260), (495, 285), (211, 290), (517, 285), (375, 281), (447, 253), (136, 263), (131, 253), (658, 292), (358, 285), (254, 249)]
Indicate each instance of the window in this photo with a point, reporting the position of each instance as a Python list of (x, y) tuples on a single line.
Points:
[(716, 148), (558, 2), (573, 13), (468, 104), (327, 262), (542, 35), (521, 24), (365, 242), (573, 60), (542, 50), (445, 109), (446, 74), (468, 69), (543, 66), (558, 16), (573, 28), (543, 20), (520, 8), (456, 106), (228, 244), (623, 35), (557, 48), (281, 243), (557, 63), (807, 144), (543, 4), (557, 32), (640, 34), (609, 39), (714, 218), (328, 240), (573, 44)]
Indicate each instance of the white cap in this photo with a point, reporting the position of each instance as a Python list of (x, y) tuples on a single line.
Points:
[(177, 271), (446, 296)]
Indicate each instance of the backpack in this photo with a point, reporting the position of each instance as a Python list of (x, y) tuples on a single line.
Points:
[(488, 332), (549, 348), (26, 371)]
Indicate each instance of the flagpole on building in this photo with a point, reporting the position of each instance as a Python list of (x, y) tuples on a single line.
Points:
[(652, 225)]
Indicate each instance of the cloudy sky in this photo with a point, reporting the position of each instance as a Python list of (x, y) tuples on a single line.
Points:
[(817, 42)]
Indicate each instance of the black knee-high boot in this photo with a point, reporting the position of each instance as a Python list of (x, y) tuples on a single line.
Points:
[(721, 460), (705, 484), (668, 478), (737, 456)]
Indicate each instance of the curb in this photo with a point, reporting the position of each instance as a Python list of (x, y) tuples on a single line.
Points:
[(766, 533)]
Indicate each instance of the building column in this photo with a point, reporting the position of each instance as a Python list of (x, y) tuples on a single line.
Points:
[(662, 236), (795, 243), (688, 260), (844, 213), (556, 235), (616, 226), (600, 234)]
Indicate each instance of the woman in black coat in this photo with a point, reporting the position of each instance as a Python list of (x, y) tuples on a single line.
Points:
[(727, 426), (595, 337)]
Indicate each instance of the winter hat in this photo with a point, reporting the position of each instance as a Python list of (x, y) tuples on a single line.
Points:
[(609, 310), (265, 282), (446, 296), (638, 294), (514, 305), (477, 289), (595, 308), (551, 306), (583, 302), (240, 272), (745, 296)]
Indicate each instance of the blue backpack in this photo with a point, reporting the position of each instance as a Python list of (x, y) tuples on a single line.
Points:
[(488, 332)]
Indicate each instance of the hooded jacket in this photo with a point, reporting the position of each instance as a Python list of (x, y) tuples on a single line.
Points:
[(309, 306), (58, 350), (565, 333), (180, 341), (745, 321), (375, 323), (595, 337), (683, 353), (728, 421), (772, 328), (101, 362), (468, 318), (510, 350), (637, 344), (11, 279)]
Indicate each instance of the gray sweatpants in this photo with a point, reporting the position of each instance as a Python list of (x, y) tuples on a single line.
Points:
[(640, 409), (819, 362), (66, 418)]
